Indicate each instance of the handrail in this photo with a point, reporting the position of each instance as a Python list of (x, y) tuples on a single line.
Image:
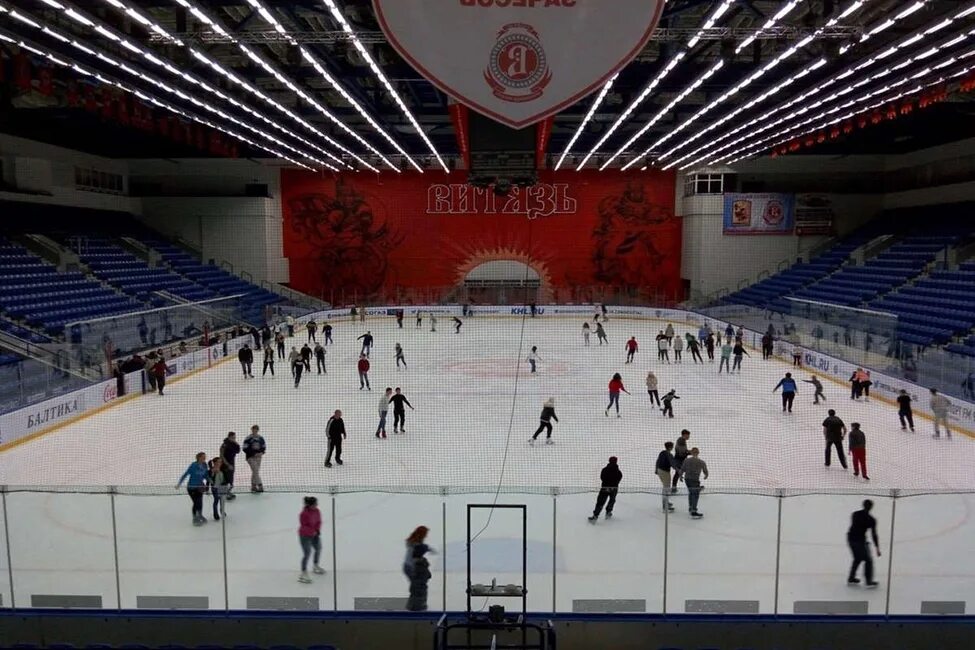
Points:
[(54, 359)]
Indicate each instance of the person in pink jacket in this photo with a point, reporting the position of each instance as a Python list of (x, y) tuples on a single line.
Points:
[(310, 536)]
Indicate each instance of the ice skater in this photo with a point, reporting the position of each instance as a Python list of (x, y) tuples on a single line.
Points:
[(433, 322), (228, 452), (533, 358), (789, 390), (399, 356), (585, 334), (631, 349), (652, 388), (366, 343), (615, 387), (279, 342), (681, 452), (306, 355), (738, 352), (856, 383), (297, 365), (858, 450), (320, 359), (419, 319), (609, 485), (665, 463), (246, 358), (796, 357), (310, 538), (834, 430), (268, 361), (312, 328), (668, 401), (457, 325), (692, 470), (601, 334), (335, 432), (678, 345), (399, 318), (218, 487), (725, 362), (709, 347), (399, 402), (416, 567), (327, 331), (856, 537), (904, 411), (767, 346), (818, 385), (545, 421), (695, 349), (363, 367), (254, 449), (940, 406), (196, 486), (383, 410), (663, 347)]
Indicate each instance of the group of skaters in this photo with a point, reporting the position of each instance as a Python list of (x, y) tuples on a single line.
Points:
[(216, 475)]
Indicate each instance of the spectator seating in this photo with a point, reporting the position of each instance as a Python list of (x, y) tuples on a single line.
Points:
[(34, 291)]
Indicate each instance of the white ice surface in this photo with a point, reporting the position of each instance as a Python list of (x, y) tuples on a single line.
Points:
[(462, 387)]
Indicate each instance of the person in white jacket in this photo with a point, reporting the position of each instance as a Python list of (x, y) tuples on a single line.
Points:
[(940, 405), (383, 410), (652, 388)]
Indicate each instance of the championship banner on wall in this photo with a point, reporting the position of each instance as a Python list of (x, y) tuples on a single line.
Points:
[(372, 235), (518, 61), (759, 214)]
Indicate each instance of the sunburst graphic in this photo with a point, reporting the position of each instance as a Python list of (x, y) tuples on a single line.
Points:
[(472, 254)]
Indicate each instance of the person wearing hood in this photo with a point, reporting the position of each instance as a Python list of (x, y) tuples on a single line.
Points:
[(609, 481), (545, 421)]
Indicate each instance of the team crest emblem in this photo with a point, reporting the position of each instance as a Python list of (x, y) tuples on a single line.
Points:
[(517, 70), (518, 61)]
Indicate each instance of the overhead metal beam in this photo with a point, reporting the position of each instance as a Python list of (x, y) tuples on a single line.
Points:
[(662, 34)]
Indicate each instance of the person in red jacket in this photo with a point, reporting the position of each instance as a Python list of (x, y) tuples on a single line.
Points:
[(158, 371), (310, 536), (631, 349), (364, 372), (615, 386)]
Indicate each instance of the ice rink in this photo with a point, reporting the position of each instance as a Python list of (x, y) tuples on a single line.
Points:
[(465, 392)]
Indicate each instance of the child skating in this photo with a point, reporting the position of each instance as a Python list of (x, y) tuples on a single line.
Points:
[(533, 358), (818, 386), (545, 421), (585, 334), (668, 400)]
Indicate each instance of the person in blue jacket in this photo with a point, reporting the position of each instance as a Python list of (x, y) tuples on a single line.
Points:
[(789, 389), (199, 478)]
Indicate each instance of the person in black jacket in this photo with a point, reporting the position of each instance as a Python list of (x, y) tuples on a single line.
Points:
[(246, 358), (545, 424), (609, 479), (306, 356), (399, 402), (268, 361), (665, 463), (904, 411), (861, 522), (228, 451), (366, 343), (335, 430), (320, 358)]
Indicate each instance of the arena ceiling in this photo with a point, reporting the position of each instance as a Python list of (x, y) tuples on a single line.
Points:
[(720, 80)]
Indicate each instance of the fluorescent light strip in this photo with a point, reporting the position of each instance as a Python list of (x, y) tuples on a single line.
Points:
[(750, 124), (906, 79), (269, 18), (852, 8), (156, 102), (717, 13), (758, 146), (159, 84), (592, 111), (340, 19), (214, 25), (782, 13), (230, 99), (721, 99), (666, 109)]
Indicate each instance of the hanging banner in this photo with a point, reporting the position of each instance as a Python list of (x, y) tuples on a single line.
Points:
[(759, 214), (518, 61), (814, 214)]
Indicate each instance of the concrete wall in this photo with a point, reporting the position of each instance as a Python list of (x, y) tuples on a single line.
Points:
[(42, 173), (204, 203)]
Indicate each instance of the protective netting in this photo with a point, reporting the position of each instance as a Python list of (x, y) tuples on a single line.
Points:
[(462, 394)]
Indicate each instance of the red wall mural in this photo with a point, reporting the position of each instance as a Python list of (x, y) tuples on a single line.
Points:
[(374, 236)]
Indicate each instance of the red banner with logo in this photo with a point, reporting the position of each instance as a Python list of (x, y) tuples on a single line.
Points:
[(372, 236)]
